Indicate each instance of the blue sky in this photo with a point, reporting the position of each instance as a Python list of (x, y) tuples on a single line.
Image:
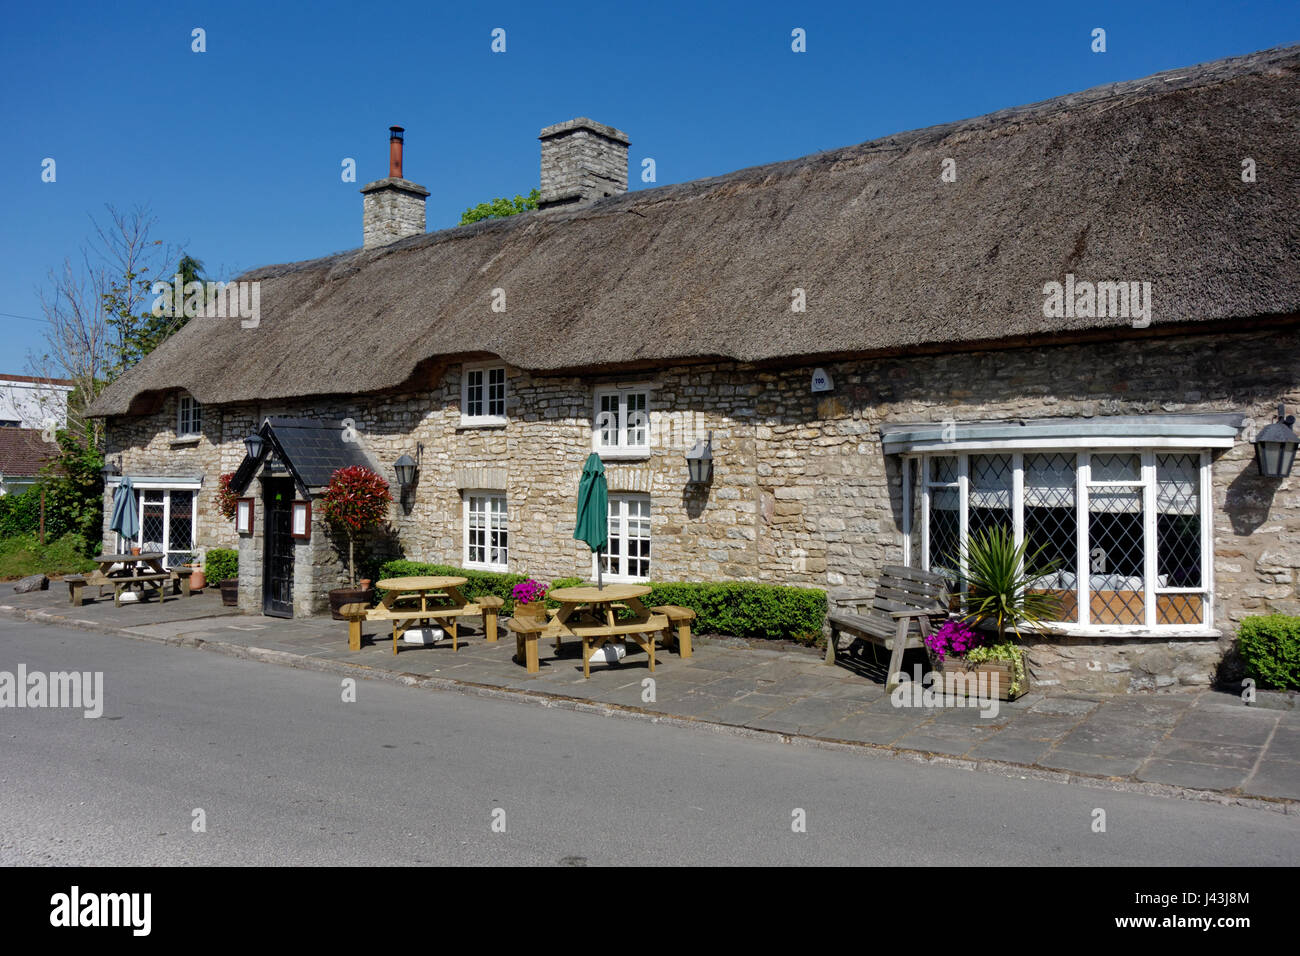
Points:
[(237, 150)]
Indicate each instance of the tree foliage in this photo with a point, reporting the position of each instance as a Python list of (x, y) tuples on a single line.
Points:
[(500, 208), (355, 499)]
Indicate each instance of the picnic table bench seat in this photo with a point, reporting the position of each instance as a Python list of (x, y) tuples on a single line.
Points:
[(905, 602), (678, 631)]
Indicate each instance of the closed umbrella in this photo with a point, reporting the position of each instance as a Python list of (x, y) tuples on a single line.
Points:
[(124, 519), (592, 526)]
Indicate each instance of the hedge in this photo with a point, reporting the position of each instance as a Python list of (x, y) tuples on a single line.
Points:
[(478, 583), (20, 513), (1270, 648), (221, 564), (739, 608)]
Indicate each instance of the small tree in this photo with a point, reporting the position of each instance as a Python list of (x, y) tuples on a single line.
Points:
[(357, 498)]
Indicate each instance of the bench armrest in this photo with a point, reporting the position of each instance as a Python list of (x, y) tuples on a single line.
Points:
[(851, 600)]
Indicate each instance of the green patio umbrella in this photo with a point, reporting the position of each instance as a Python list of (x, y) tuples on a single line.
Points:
[(124, 518), (592, 526)]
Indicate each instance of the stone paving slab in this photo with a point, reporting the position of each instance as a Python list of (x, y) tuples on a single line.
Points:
[(1202, 741)]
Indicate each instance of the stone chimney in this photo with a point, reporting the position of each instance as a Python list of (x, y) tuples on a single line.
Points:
[(393, 208), (582, 161)]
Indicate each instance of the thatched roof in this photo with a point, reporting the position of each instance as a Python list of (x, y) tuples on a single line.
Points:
[(1137, 181)]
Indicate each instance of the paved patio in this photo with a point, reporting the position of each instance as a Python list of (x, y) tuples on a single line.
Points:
[(1204, 741)]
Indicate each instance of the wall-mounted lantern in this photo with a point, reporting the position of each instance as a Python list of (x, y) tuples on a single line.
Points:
[(254, 444), (699, 461), (406, 469), (1275, 446), (112, 467)]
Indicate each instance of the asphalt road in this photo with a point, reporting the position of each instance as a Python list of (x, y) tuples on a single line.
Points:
[(286, 772)]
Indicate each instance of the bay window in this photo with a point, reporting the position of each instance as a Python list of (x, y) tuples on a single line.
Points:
[(1124, 531)]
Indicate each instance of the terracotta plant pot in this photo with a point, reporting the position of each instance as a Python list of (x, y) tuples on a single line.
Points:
[(230, 592), (198, 580), (342, 596), (365, 584)]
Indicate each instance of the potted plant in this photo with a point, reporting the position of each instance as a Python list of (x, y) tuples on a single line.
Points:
[(357, 498), (999, 578), (530, 600), (223, 568)]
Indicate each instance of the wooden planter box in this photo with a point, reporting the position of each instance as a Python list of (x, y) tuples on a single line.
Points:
[(959, 676)]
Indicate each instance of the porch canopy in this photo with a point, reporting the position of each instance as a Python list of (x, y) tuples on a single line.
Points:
[(1102, 431), (307, 450)]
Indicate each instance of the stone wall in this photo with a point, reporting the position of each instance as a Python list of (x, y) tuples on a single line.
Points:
[(802, 493)]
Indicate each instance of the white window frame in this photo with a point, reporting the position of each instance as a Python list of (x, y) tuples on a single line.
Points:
[(620, 574), (183, 420), (916, 472), (486, 420), (486, 496), (620, 448), (123, 544)]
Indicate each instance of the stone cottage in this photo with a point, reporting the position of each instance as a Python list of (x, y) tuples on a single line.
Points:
[(1068, 319)]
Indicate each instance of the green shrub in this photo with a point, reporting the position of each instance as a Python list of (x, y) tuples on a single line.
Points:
[(21, 555), (478, 583), (221, 564), (1270, 648), (20, 514), (746, 608)]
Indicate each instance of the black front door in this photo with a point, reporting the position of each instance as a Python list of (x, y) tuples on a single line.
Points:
[(277, 561)]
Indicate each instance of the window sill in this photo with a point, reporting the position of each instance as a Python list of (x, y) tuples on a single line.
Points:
[(623, 454), (183, 441), (483, 423), (494, 568), (1166, 633)]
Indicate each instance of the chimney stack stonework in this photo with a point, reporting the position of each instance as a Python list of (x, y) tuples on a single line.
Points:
[(582, 161), (392, 208)]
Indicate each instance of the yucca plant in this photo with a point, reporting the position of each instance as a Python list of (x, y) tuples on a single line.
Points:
[(998, 576)]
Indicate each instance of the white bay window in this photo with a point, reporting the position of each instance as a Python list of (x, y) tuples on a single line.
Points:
[(1124, 531)]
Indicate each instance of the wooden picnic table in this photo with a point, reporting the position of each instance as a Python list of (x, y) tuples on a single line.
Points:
[(592, 614), (422, 601), (131, 572)]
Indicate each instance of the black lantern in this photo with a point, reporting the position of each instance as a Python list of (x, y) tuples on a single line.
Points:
[(254, 443), (405, 468), (1275, 446), (699, 461)]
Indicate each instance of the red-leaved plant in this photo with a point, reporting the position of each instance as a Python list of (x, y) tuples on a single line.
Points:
[(356, 498), (226, 498)]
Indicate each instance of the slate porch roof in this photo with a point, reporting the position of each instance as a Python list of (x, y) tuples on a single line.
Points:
[(312, 450)]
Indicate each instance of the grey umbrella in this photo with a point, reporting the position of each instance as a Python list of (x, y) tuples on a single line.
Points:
[(125, 520)]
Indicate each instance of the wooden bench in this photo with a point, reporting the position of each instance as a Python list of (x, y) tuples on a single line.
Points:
[(491, 606), (900, 615), (595, 636), (181, 582), (76, 584), (527, 632), (679, 627), (355, 614)]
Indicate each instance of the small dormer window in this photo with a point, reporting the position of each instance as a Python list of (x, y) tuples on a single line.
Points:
[(189, 417)]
